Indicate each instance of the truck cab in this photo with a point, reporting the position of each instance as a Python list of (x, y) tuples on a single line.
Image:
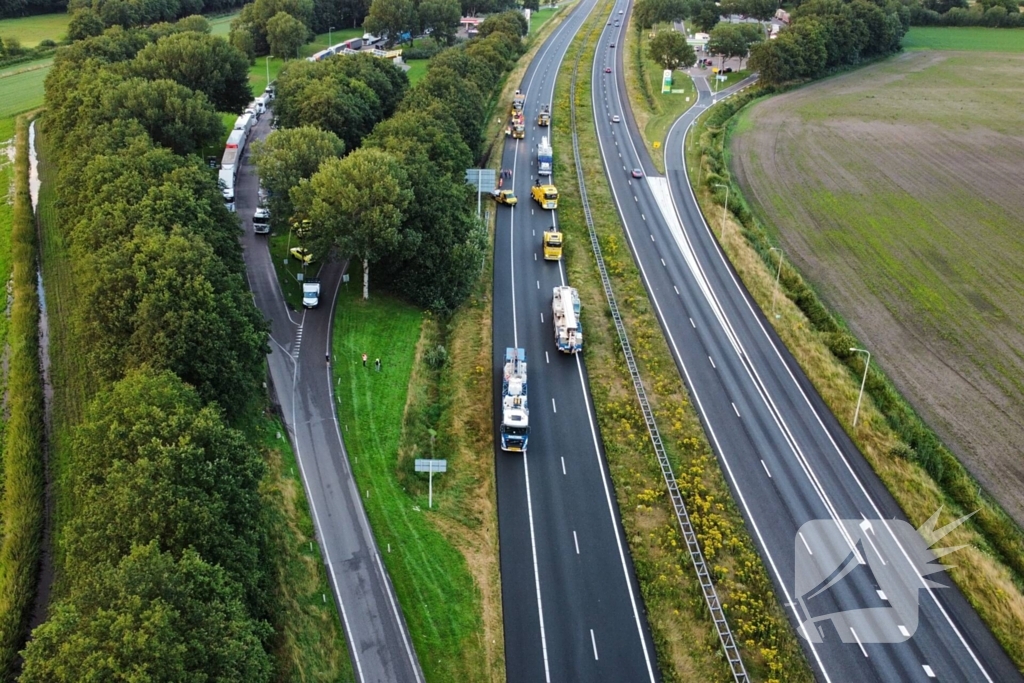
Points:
[(515, 415), (544, 118), (546, 196), (311, 293), (261, 221), (552, 244)]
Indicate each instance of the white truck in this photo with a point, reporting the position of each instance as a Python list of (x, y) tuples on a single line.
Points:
[(544, 157), (515, 415), (229, 164), (261, 221), (565, 307), (245, 122), (311, 293)]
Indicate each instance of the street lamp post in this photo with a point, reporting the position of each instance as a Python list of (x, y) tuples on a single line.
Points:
[(863, 381), (329, 41), (724, 207), (777, 275), (268, 71)]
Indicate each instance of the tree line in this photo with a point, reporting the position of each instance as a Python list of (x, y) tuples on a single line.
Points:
[(992, 13), (398, 201), (163, 554)]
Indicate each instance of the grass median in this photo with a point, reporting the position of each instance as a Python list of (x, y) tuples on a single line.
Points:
[(687, 646), (439, 597)]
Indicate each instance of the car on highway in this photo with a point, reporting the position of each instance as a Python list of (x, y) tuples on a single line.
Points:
[(638, 173), (621, 12), (612, 45), (607, 69), (303, 255), (615, 118)]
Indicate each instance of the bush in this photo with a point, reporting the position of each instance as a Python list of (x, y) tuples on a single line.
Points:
[(436, 357)]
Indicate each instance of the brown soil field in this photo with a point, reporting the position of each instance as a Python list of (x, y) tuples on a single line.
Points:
[(898, 190)]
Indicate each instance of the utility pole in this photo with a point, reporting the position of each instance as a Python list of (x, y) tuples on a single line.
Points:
[(863, 381)]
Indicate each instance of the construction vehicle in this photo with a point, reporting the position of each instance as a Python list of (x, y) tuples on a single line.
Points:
[(544, 157), (518, 125), (565, 306), (505, 197), (515, 415), (552, 244), (311, 293), (544, 118), (545, 195), (518, 100)]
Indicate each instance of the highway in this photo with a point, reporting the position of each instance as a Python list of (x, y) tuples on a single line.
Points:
[(377, 634), (572, 607), (785, 456)]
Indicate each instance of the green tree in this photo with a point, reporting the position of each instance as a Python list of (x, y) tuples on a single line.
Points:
[(149, 618), (285, 35), (178, 307), (390, 19), (152, 463), (242, 39), (729, 40), (706, 15), (769, 60), (345, 106), (255, 18), (173, 115), (201, 62), (84, 24), (288, 156), (670, 50), (441, 18), (459, 97), (357, 204), (196, 23)]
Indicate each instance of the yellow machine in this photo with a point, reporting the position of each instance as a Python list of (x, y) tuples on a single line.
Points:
[(544, 118), (552, 244), (505, 197), (545, 195)]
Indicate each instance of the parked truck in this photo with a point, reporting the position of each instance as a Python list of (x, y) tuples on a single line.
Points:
[(229, 164), (311, 293), (544, 118), (518, 100), (515, 415), (544, 157), (565, 308), (545, 195)]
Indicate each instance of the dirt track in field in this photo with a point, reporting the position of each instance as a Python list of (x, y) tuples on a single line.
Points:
[(898, 190)]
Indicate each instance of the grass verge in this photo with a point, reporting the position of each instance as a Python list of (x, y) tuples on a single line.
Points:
[(654, 111), (310, 643), (686, 642), (908, 457), (431, 577), (22, 507)]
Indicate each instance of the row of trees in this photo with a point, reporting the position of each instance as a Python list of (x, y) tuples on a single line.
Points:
[(993, 13), (163, 555), (827, 34), (398, 201)]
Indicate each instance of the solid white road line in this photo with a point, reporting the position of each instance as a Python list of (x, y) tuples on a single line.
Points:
[(536, 571), (859, 644), (809, 551)]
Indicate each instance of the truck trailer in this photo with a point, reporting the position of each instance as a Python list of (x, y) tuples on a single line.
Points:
[(544, 157), (565, 307), (515, 415)]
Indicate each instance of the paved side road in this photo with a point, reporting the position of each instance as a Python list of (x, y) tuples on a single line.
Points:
[(377, 633)]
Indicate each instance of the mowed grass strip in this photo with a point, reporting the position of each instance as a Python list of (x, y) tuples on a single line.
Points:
[(966, 38), (434, 587), (33, 30)]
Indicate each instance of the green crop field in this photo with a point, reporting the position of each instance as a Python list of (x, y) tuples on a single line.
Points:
[(33, 30), (965, 38), (897, 190), (23, 87)]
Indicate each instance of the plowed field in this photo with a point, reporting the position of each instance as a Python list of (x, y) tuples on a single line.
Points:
[(898, 190)]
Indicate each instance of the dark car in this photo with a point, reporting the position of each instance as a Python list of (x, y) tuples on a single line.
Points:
[(612, 45), (607, 69), (728, 69), (638, 173)]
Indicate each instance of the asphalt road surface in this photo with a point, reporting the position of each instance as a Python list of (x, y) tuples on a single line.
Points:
[(785, 456), (300, 340), (572, 608)]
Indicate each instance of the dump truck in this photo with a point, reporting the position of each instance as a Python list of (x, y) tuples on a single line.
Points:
[(505, 197), (544, 118), (552, 244), (565, 309), (545, 195), (544, 157), (515, 415)]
